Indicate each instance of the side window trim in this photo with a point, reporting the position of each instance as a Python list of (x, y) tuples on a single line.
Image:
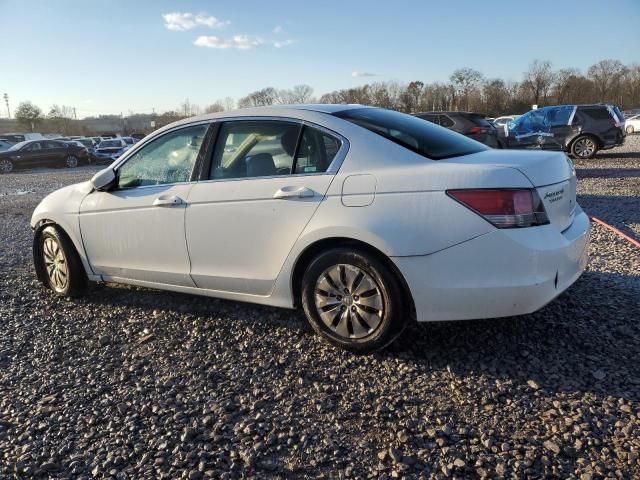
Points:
[(140, 145), (333, 168)]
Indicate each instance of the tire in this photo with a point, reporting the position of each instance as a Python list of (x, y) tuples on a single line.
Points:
[(339, 313), (71, 161), (58, 265), (585, 146), (629, 129), (6, 165)]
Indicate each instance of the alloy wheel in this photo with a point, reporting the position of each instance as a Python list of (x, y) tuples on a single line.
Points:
[(349, 301), (72, 161), (630, 129), (6, 166), (584, 147), (56, 264)]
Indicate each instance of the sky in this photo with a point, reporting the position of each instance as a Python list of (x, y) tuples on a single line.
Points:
[(122, 56)]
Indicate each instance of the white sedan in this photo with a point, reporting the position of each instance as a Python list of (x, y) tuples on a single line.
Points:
[(366, 218), (632, 124)]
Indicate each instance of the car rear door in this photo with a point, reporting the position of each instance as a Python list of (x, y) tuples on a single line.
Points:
[(266, 179)]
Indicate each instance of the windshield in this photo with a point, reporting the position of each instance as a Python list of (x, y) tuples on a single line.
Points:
[(419, 136), (110, 144), (18, 146), (86, 143)]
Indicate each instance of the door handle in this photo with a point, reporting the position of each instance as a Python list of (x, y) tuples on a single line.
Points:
[(168, 201), (293, 192)]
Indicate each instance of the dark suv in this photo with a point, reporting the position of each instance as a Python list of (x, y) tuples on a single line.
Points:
[(473, 125), (580, 130)]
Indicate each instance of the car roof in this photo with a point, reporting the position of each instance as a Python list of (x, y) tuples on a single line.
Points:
[(280, 110)]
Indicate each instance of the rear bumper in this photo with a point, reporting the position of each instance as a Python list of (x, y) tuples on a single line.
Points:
[(499, 274)]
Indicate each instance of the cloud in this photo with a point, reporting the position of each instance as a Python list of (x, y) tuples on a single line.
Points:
[(356, 74), (186, 21), (241, 42), (278, 29), (283, 43)]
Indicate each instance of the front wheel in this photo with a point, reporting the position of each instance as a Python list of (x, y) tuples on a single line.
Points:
[(6, 165), (584, 147), (57, 263), (629, 129), (353, 300), (71, 161)]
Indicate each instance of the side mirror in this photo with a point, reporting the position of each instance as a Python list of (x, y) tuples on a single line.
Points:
[(104, 179)]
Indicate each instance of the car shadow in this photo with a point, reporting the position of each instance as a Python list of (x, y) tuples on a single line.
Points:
[(579, 342)]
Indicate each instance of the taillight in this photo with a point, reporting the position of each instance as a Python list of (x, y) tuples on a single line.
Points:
[(475, 130), (504, 208)]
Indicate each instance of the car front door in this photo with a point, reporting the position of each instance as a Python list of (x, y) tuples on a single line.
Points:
[(528, 130), (563, 124), (136, 230), (266, 180), (30, 155)]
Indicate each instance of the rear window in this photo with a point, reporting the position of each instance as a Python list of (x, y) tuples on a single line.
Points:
[(597, 113), (479, 120), (413, 133)]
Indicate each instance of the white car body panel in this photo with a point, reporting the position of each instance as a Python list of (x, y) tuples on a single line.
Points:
[(261, 241), (633, 122), (231, 239), (125, 235)]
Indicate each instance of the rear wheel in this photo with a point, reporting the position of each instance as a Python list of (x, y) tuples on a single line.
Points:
[(584, 147), (6, 165), (58, 264), (353, 300), (629, 129), (71, 161)]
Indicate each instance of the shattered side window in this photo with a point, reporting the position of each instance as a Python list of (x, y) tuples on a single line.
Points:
[(168, 159), (558, 116)]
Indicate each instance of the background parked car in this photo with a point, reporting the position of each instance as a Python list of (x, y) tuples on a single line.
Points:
[(473, 125), (38, 153), (21, 137), (581, 130), (109, 150), (632, 124)]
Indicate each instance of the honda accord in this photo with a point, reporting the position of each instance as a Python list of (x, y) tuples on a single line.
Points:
[(367, 219)]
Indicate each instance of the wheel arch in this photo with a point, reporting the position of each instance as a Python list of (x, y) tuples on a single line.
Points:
[(313, 249)]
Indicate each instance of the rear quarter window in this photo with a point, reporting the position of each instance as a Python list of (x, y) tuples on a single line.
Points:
[(597, 113), (423, 138)]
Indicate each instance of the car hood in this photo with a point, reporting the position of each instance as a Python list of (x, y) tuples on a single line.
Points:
[(64, 202)]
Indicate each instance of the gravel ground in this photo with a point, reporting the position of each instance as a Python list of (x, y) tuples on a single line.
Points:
[(134, 383)]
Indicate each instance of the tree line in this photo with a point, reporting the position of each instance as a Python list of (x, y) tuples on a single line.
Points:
[(608, 81)]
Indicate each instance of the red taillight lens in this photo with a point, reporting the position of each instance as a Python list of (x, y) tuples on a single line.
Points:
[(475, 130), (504, 208)]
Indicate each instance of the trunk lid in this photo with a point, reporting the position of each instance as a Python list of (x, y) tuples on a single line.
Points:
[(551, 173)]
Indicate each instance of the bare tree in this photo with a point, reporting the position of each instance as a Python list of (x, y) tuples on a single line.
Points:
[(410, 98), (605, 76), (538, 80), (215, 107), (60, 117), (266, 96), (464, 81), (229, 103)]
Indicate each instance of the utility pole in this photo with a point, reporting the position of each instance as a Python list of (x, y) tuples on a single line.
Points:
[(74, 113), (6, 101)]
